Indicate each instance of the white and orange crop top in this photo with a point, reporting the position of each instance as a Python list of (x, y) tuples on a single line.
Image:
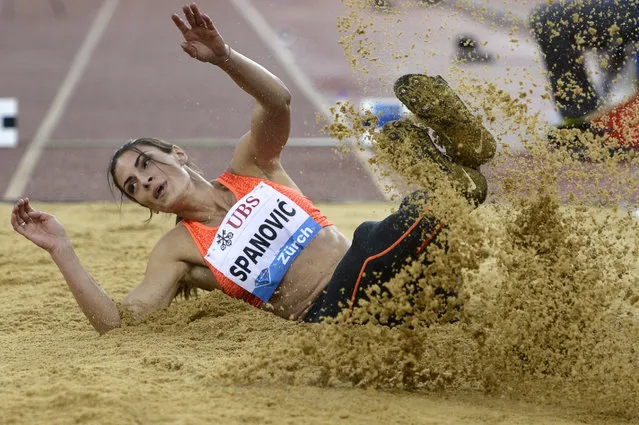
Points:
[(260, 236)]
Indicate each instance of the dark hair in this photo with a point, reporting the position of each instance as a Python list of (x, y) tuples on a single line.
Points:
[(134, 145)]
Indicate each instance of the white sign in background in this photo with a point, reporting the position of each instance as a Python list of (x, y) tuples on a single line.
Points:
[(8, 122)]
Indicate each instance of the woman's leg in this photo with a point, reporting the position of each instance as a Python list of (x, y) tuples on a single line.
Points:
[(379, 250)]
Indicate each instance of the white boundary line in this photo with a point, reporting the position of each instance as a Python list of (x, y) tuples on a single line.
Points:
[(21, 177), (270, 38)]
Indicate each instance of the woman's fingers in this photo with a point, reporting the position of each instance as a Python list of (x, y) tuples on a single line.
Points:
[(189, 16), (208, 22), (179, 23), (23, 214), (27, 205), (22, 211), (197, 16), (14, 220), (194, 17), (17, 224), (19, 209)]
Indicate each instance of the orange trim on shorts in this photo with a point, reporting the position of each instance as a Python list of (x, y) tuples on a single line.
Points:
[(430, 238), (384, 252)]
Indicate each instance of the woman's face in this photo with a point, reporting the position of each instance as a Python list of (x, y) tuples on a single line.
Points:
[(155, 179)]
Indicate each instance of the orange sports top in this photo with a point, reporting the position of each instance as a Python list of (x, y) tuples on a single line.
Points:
[(204, 235)]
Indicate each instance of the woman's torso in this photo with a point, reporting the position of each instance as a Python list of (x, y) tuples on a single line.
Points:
[(305, 279)]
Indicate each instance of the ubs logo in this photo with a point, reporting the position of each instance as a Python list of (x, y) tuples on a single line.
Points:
[(242, 212), (224, 239)]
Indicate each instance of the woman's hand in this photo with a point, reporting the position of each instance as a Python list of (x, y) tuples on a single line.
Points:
[(40, 228), (202, 41)]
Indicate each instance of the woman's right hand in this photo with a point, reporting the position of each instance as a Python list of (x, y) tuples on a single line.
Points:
[(39, 227)]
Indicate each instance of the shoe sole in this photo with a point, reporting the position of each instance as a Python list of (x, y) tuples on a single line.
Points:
[(470, 181), (414, 139), (462, 134)]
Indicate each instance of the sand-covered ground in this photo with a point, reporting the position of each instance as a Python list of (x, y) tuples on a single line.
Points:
[(215, 360), (547, 270)]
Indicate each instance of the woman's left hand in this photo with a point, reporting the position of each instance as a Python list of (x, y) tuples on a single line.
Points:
[(201, 41)]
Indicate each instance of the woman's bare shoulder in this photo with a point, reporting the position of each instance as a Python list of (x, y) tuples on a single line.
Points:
[(178, 244)]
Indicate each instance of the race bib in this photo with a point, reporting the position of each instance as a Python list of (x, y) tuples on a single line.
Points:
[(259, 238)]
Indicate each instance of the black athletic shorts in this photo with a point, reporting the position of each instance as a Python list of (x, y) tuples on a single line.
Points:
[(378, 251)]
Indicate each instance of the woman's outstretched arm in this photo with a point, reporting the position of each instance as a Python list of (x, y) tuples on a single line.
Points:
[(156, 291), (46, 232), (202, 41), (270, 121)]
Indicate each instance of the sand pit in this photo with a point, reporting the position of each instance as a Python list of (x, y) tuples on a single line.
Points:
[(216, 360), (547, 333)]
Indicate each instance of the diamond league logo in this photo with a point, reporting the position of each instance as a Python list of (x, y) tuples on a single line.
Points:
[(225, 239)]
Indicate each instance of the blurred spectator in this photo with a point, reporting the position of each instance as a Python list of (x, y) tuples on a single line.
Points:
[(565, 30)]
